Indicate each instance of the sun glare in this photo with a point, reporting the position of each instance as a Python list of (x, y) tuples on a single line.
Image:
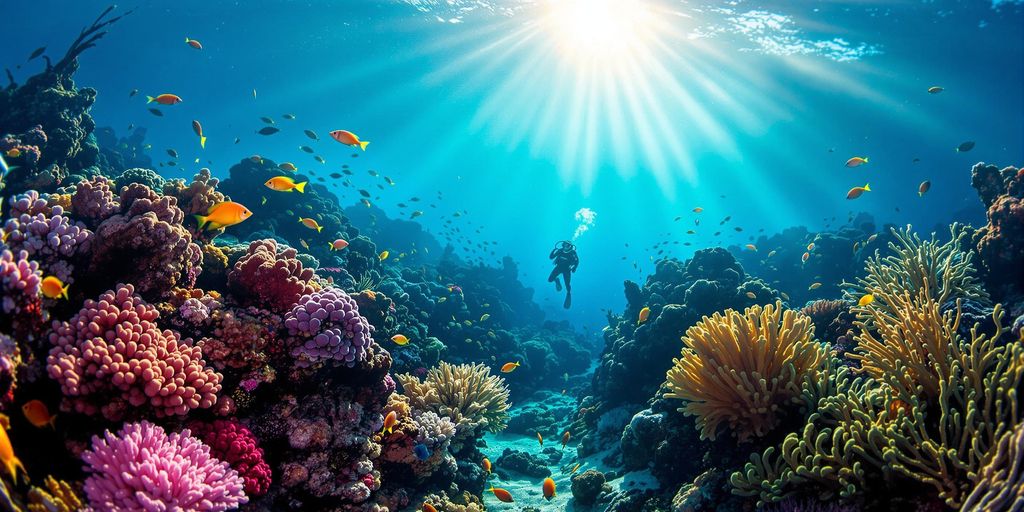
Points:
[(597, 29)]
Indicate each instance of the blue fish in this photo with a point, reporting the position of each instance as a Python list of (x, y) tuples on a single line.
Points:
[(421, 451)]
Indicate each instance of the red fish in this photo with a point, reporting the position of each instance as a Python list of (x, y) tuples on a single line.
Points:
[(501, 494), (349, 139), (194, 44), (856, 192), (164, 99)]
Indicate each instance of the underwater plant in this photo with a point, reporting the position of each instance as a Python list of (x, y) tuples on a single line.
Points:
[(744, 369)]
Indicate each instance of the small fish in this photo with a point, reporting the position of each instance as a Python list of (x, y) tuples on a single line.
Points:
[(307, 149), (698, 209), (501, 494), (11, 462), (172, 153), (311, 134), (784, 296), (857, 161), (925, 186), (156, 112), (871, 238), (856, 192), (810, 247), (421, 451), (416, 213), (54, 288), (311, 224), (287, 166), (237, 140), (935, 89), (133, 93), (565, 438), (486, 463), (13, 153), (965, 146), (484, 317), (897, 406), (644, 314), (222, 215), (427, 507), (304, 244), (164, 99), (338, 244), (442, 299), (267, 120), (365, 202), (389, 181), (254, 94), (193, 43), (389, 422), (38, 414), (865, 300), (320, 159), (814, 286), (198, 128), (509, 367), (770, 254), (548, 488), (805, 257), (576, 468), (383, 255), (267, 130), (285, 184), (751, 247), (400, 339), (349, 139), (540, 439), (750, 295), (35, 53)]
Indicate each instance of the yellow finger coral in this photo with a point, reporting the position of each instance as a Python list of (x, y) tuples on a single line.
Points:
[(58, 496), (742, 369)]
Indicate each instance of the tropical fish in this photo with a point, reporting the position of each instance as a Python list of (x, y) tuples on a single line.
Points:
[(965, 146), (576, 468), (11, 462), (540, 439), (750, 295), (285, 184), (856, 192), (54, 288), (193, 43), (548, 488), (814, 286), (421, 451), (36, 53), (509, 367), (866, 299), (267, 120), (287, 166), (172, 153), (416, 213), (857, 161), (38, 414), (222, 215), (156, 112), (389, 421), (198, 128), (307, 149), (383, 255), (872, 238), (133, 93), (320, 159), (565, 438), (805, 257), (267, 130), (925, 186), (486, 463), (254, 94), (935, 89), (427, 507), (349, 139), (501, 494), (810, 247), (311, 134), (338, 244), (644, 314), (751, 247), (897, 406), (484, 317), (164, 99), (400, 339), (698, 209), (290, 117), (770, 254), (784, 296), (304, 244), (311, 224)]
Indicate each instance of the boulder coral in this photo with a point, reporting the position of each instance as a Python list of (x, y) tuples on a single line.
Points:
[(268, 277)]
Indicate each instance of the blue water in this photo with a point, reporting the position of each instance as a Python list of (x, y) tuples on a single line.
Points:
[(521, 121)]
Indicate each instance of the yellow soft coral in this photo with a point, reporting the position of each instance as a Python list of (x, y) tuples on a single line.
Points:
[(58, 496), (742, 369)]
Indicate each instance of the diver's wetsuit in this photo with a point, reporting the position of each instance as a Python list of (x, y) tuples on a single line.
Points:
[(566, 261)]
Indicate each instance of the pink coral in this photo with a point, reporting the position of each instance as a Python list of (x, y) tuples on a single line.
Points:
[(20, 301), (94, 199), (146, 244), (267, 278), (112, 355), (144, 468), (49, 237), (231, 442)]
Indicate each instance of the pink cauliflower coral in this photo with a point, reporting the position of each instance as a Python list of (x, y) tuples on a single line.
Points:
[(144, 468), (231, 442), (112, 355)]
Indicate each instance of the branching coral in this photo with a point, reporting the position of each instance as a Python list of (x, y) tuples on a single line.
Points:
[(1000, 483), (112, 356), (57, 496), (744, 369), (144, 468), (467, 394)]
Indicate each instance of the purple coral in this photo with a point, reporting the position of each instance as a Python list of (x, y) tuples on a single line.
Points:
[(19, 280), (231, 442), (52, 239), (144, 468), (94, 199), (112, 355), (326, 325), (270, 279)]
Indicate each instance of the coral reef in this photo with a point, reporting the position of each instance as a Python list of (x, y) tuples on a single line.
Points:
[(327, 326), (268, 278), (50, 238), (1000, 242), (231, 442), (1000, 483)]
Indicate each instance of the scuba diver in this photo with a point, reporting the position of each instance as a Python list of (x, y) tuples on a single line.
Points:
[(566, 261)]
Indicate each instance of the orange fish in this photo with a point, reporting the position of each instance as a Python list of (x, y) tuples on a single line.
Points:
[(349, 139), (498, 492), (311, 224), (857, 161), (9, 460), (194, 44), (54, 288), (751, 247), (38, 414), (198, 128), (548, 487), (805, 257), (540, 439), (698, 209), (897, 406), (487, 465), (856, 192), (389, 421), (427, 507), (222, 215), (285, 184), (810, 247), (509, 367), (338, 244), (164, 99), (925, 186), (565, 438)]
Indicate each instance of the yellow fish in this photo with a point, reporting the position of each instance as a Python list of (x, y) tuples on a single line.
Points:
[(54, 288), (311, 224), (14, 153), (644, 313), (285, 184), (484, 317), (698, 209), (509, 367), (540, 439), (383, 255), (810, 246), (487, 465), (865, 300), (222, 215), (400, 339), (7, 457), (814, 286), (38, 414)]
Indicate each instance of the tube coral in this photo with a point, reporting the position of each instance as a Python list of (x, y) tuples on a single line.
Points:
[(144, 468), (1000, 483), (742, 369)]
